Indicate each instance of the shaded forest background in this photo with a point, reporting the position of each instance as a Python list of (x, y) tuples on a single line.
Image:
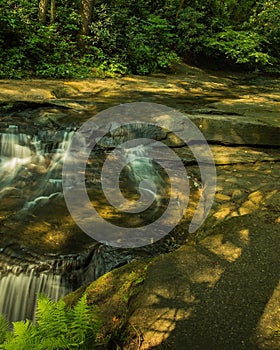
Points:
[(99, 38)]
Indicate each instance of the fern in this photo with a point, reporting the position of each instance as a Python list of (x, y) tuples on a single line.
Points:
[(58, 328), (84, 325), (21, 337)]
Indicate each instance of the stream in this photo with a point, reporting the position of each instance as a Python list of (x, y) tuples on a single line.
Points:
[(42, 250)]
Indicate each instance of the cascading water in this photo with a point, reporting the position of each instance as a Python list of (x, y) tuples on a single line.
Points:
[(32, 201), (19, 292), (29, 179), (21, 283), (41, 248)]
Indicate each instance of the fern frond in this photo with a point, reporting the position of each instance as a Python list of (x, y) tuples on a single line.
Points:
[(57, 328), (22, 336), (54, 343), (51, 317), (79, 320), (4, 328), (22, 328)]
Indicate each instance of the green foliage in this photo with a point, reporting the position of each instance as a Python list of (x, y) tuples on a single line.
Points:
[(191, 29), (236, 11), (58, 327), (239, 46), (149, 44), (4, 328), (265, 21), (135, 37)]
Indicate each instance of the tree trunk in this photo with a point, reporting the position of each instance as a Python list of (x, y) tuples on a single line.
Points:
[(181, 5), (86, 14), (52, 11), (42, 11)]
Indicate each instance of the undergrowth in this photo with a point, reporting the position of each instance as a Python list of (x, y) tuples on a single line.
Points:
[(57, 327)]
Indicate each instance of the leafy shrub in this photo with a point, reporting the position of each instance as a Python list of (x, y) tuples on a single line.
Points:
[(190, 31), (265, 21), (149, 44), (239, 46)]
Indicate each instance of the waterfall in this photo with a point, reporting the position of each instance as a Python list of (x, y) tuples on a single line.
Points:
[(19, 293), (20, 284), (31, 203), (30, 177), (30, 190), (26, 158), (31, 186), (15, 153)]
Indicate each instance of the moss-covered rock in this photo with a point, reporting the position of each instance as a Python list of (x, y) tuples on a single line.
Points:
[(115, 296)]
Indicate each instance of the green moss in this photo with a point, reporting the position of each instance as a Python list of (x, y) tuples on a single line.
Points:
[(72, 298), (114, 294)]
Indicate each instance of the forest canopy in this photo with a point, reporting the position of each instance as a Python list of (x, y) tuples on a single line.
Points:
[(86, 38)]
